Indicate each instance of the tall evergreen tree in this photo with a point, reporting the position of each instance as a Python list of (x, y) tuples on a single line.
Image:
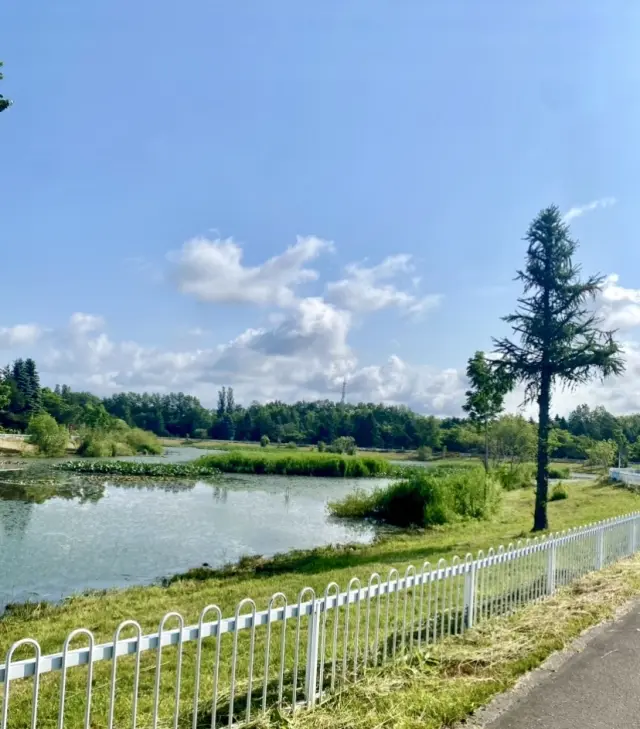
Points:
[(560, 337), (222, 402), (33, 385), (231, 403)]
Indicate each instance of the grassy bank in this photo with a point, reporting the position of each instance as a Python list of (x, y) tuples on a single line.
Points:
[(260, 578), (292, 463), (453, 679)]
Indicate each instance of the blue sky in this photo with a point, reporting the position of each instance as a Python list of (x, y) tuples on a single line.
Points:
[(430, 133)]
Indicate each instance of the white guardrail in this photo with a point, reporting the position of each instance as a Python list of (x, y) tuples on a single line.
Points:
[(289, 655), (625, 475)]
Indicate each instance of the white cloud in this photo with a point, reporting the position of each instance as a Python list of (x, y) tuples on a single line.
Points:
[(363, 291), (301, 352), (579, 210), (19, 335), (619, 306), (80, 323), (213, 271)]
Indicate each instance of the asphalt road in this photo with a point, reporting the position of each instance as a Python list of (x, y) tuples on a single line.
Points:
[(597, 688)]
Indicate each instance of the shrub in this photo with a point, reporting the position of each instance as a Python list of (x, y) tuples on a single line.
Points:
[(290, 445), (142, 441), (425, 499), (343, 444), (559, 472), (200, 433), (519, 476), (424, 453), (97, 443), (559, 492), (50, 438), (264, 441), (322, 446)]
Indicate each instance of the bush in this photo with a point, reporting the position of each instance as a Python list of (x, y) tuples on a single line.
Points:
[(200, 433), (515, 477), (96, 443), (559, 492), (291, 445), (343, 444), (264, 441), (50, 438), (559, 472), (322, 446), (425, 499), (424, 453), (142, 441)]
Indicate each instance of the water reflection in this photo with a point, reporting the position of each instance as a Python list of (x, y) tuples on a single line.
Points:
[(63, 533)]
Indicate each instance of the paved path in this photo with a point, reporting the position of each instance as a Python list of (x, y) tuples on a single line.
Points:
[(596, 688)]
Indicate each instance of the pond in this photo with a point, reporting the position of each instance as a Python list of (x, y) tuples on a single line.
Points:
[(67, 534)]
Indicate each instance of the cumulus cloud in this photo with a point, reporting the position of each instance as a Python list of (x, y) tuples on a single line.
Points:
[(363, 290), (579, 210), (80, 323), (302, 352), (620, 306), (213, 271), (19, 335)]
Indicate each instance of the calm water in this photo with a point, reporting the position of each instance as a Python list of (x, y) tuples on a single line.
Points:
[(93, 533)]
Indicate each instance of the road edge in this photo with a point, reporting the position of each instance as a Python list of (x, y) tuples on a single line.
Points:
[(503, 702)]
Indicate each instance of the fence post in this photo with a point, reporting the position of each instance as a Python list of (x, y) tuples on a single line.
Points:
[(313, 639), (469, 595), (551, 567), (600, 548)]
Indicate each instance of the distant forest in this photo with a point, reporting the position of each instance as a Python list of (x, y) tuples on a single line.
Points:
[(371, 425)]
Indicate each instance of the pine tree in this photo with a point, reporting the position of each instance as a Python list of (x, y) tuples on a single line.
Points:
[(33, 382), (222, 402), (561, 339), (231, 403)]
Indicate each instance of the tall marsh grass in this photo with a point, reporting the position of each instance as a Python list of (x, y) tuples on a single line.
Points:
[(95, 443), (297, 464), (425, 498)]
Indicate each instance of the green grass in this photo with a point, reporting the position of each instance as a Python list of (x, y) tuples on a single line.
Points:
[(123, 441), (425, 498), (292, 463), (260, 578)]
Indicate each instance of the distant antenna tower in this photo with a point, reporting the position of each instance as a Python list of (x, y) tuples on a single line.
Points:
[(344, 391)]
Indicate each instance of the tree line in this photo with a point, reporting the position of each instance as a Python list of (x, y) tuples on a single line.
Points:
[(370, 425)]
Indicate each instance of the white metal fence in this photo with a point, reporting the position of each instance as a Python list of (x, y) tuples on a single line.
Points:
[(226, 671), (625, 475)]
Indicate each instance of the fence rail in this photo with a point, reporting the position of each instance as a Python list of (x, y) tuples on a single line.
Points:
[(625, 475), (289, 655)]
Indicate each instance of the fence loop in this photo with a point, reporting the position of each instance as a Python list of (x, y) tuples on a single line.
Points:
[(234, 659), (136, 679), (216, 669), (156, 691), (63, 681), (36, 680)]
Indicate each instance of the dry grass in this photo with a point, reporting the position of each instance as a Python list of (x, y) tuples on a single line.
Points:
[(444, 685)]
